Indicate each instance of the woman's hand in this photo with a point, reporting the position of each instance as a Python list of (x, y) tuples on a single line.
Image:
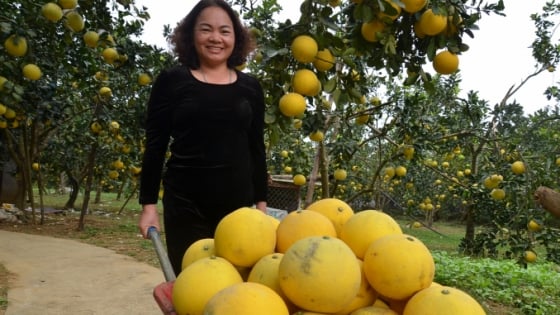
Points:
[(261, 205), (148, 218)]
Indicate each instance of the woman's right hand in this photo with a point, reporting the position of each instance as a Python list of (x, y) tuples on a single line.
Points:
[(148, 218)]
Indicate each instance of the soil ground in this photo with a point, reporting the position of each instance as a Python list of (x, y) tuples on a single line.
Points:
[(54, 269)]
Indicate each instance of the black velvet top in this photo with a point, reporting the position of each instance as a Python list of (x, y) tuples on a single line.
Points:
[(215, 136)]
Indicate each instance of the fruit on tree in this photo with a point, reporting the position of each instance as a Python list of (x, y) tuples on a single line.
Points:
[(74, 21), (440, 300), (299, 180), (431, 23), (317, 136), (105, 92), (144, 79), (91, 39), (110, 55), (51, 11), (370, 29), (68, 4), (400, 171), (324, 60), (529, 256), (201, 280), (534, 226), (340, 174), (15, 45), (304, 48), (413, 6), (292, 104), (518, 167), (382, 15), (445, 62), (498, 194), (32, 72), (305, 82), (311, 266)]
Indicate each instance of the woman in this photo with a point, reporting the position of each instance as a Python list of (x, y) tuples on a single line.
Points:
[(211, 118)]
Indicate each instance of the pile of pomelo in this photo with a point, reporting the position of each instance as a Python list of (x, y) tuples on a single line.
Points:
[(324, 259)]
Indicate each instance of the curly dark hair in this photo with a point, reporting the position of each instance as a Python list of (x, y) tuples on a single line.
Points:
[(182, 38)]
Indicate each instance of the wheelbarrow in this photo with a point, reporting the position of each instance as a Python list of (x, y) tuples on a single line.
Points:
[(162, 292)]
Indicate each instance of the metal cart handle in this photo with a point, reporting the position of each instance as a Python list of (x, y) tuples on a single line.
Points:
[(168, 272)]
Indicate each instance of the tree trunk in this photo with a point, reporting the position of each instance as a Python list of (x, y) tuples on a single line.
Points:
[(88, 186), (74, 190)]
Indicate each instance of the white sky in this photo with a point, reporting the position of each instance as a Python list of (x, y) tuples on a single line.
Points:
[(499, 54)]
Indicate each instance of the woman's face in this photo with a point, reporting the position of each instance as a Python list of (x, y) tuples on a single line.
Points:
[(214, 36)]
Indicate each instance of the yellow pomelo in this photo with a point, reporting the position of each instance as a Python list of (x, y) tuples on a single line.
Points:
[(16, 46), (335, 209), (200, 281), (498, 194), (400, 171), (431, 23), (247, 298), (320, 274), (91, 38), (442, 300), (413, 6), (110, 55), (304, 48), (518, 167), (340, 174), (530, 256), (324, 60), (305, 82), (3, 109), (144, 79), (317, 136), (105, 91), (51, 11), (365, 227), (300, 224), (292, 104), (200, 249), (374, 310), (3, 124), (3, 80), (265, 271), (299, 180), (10, 113), (244, 236), (370, 29), (74, 21), (445, 62), (32, 72), (390, 15), (68, 4), (366, 295), (534, 226), (398, 265)]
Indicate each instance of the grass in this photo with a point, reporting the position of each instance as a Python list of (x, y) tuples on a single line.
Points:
[(502, 286)]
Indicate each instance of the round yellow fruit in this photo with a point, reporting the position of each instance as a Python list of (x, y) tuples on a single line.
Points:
[(68, 4), (35, 166), (370, 29), (51, 11), (15, 45), (317, 136), (265, 271), (105, 91), (3, 109), (200, 249), (518, 167), (299, 180), (113, 174), (534, 226), (244, 236), (431, 23), (324, 60), (32, 72), (443, 300), (446, 62), (284, 153), (300, 224), (362, 119), (304, 48), (247, 298), (118, 164), (374, 310), (144, 79), (383, 15), (305, 82), (530, 256), (413, 6), (74, 21), (292, 104), (340, 174), (3, 80), (498, 194), (320, 274), (200, 281), (366, 295), (400, 171), (110, 55), (91, 38), (96, 127), (365, 227), (335, 209), (398, 265)]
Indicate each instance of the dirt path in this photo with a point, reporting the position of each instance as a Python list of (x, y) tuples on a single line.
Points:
[(58, 277)]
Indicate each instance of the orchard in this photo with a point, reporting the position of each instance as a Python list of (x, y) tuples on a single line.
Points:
[(362, 102)]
